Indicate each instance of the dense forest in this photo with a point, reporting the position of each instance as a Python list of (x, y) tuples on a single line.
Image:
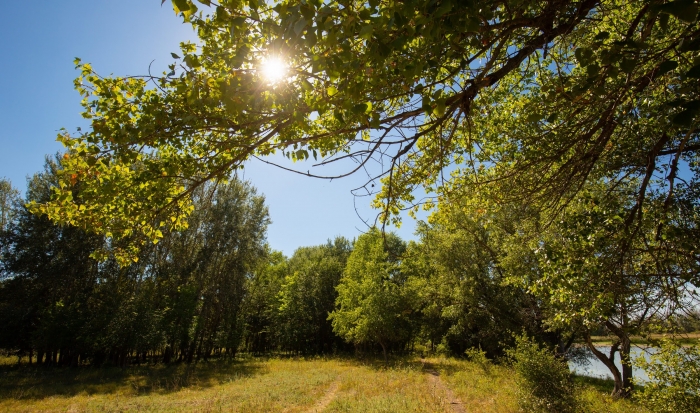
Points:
[(217, 288)]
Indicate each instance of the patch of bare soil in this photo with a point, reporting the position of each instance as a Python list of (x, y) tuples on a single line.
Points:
[(436, 382), (327, 398)]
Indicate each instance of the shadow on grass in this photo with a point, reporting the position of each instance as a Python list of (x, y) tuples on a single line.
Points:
[(602, 385), (377, 363), (38, 382)]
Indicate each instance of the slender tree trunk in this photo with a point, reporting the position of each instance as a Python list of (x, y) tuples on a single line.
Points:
[(619, 390), (625, 350)]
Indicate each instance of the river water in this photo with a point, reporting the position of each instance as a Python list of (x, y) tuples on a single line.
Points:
[(595, 368)]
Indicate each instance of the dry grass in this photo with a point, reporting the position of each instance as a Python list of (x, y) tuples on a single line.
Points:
[(247, 386), (274, 385), (491, 389), (400, 387)]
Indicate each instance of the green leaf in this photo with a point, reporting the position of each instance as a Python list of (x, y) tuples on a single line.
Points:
[(583, 55), (690, 45), (192, 61), (238, 22), (299, 26), (205, 2), (602, 36), (534, 117), (366, 32), (472, 24), (694, 72), (175, 56), (666, 67), (444, 8), (663, 22), (685, 118), (440, 106), (222, 14), (627, 65), (306, 85), (592, 70), (426, 106), (331, 90), (307, 12), (375, 121), (180, 5), (359, 108), (685, 10)]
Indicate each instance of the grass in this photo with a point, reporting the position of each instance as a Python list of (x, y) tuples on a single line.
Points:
[(276, 385), (491, 389), (401, 387)]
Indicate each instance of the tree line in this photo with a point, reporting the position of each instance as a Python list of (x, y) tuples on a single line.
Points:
[(216, 288), (470, 281)]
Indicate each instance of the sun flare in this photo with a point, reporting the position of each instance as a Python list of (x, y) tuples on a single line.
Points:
[(274, 69)]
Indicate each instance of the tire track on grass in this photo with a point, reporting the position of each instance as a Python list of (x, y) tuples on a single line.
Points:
[(436, 382), (327, 398)]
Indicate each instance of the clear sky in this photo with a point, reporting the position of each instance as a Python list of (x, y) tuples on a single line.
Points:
[(40, 42)]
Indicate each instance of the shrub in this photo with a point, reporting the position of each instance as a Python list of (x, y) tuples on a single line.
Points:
[(478, 357), (674, 379), (544, 383)]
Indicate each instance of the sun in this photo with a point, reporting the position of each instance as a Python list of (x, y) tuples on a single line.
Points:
[(274, 69)]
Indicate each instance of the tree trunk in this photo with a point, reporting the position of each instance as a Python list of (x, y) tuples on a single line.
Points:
[(623, 384), (625, 344), (381, 343)]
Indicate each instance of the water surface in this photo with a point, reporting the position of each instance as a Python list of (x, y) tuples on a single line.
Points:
[(596, 368)]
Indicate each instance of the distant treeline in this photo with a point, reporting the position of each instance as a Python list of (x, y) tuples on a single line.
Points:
[(217, 289)]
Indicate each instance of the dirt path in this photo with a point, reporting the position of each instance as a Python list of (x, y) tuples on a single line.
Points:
[(437, 383), (327, 398)]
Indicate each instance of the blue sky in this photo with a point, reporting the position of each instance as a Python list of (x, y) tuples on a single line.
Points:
[(40, 42)]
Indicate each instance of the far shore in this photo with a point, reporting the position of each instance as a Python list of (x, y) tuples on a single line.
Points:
[(686, 339)]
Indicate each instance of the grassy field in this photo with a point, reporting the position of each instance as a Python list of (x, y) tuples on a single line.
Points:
[(278, 385)]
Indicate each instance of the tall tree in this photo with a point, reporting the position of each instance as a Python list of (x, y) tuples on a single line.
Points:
[(9, 197), (202, 271), (372, 304), (45, 298), (261, 304), (181, 297), (308, 295), (466, 297), (593, 272)]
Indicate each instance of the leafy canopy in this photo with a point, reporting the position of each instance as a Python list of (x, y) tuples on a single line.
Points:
[(524, 98)]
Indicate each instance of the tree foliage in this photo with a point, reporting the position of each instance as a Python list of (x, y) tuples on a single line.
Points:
[(674, 373), (308, 295), (545, 383), (545, 94), (181, 298), (374, 305), (465, 298)]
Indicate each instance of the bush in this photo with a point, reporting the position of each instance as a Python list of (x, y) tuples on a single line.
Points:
[(478, 357), (544, 383), (674, 374)]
